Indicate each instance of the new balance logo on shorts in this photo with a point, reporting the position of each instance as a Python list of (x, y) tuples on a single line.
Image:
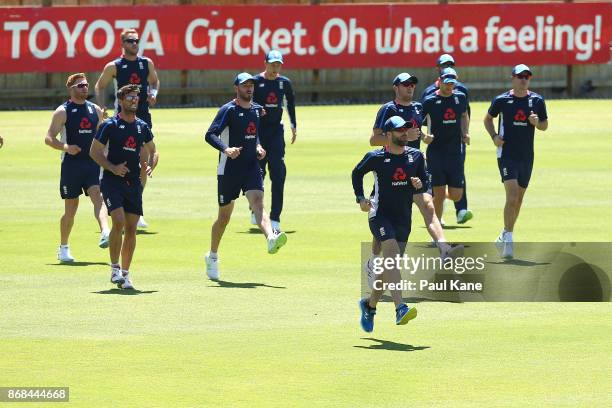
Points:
[(382, 231)]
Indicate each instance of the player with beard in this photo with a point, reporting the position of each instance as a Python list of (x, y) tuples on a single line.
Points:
[(131, 69), (125, 135), (399, 176), (77, 120)]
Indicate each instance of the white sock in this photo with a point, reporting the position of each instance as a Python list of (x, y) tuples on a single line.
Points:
[(64, 246), (105, 232), (212, 255), (508, 236), (125, 272)]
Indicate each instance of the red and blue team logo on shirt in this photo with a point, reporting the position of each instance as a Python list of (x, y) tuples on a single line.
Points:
[(272, 98), (134, 79), (251, 128), (450, 114), (85, 124), (399, 175), (130, 143), (520, 116)]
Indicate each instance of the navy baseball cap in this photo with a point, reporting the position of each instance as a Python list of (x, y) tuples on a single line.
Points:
[(404, 77), (243, 77), (448, 76), (446, 59), (520, 68), (394, 123), (274, 56)]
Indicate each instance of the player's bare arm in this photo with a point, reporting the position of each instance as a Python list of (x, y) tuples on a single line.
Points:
[(96, 152), (109, 72), (153, 80), (378, 138), (465, 128), (490, 128), (57, 122)]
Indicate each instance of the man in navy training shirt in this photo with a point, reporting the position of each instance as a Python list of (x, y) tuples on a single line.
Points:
[(271, 90), (234, 132), (522, 111), (77, 119), (133, 69), (125, 135), (403, 106), (399, 174), (447, 119), (446, 61)]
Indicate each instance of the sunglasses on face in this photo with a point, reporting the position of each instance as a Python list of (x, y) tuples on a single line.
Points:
[(81, 85), (408, 84), (523, 76), (131, 41), (131, 97)]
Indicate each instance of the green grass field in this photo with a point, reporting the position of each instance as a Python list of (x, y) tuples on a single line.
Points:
[(283, 330)]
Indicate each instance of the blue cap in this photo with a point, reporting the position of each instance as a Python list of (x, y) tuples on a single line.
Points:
[(446, 59), (404, 77), (274, 56), (243, 77), (520, 68), (394, 122), (448, 76)]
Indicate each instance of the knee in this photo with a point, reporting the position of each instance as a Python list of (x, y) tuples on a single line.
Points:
[(513, 200), (129, 229), (455, 195), (118, 223)]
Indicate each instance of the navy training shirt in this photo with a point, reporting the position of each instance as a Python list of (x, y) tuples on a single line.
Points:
[(137, 73), (235, 126), (270, 93), (410, 113), (445, 118), (514, 126), (393, 190), (80, 128), (125, 141)]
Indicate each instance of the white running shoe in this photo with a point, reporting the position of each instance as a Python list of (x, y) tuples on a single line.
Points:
[(451, 251), (442, 222), (63, 254), (508, 251), (116, 276), (275, 226), (212, 267), (499, 242), (253, 219), (142, 223), (276, 242), (104, 239), (127, 283)]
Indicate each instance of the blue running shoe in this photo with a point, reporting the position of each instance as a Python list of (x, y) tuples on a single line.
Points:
[(367, 316), (404, 314)]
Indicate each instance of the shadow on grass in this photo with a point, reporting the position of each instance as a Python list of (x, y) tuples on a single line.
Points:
[(390, 345), (258, 231), (454, 227), (243, 285), (144, 232), (78, 263), (124, 292), (518, 262)]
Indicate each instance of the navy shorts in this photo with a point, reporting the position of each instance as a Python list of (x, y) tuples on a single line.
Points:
[(520, 171), (445, 169), (120, 192), (77, 176), (272, 139), (384, 228), (231, 183)]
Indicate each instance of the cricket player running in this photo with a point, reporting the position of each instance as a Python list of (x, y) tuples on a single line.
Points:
[(521, 112)]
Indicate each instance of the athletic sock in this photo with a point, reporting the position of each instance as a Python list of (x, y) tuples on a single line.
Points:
[(212, 255), (508, 236), (115, 266), (125, 272)]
